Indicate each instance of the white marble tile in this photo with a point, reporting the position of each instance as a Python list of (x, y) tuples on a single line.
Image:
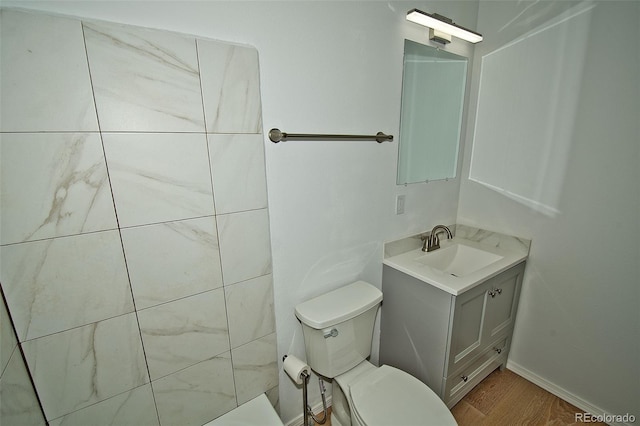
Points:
[(196, 394), (132, 408), (250, 310), (53, 285), (274, 397), (238, 171), (143, 79), (53, 184), (180, 334), (171, 260), (255, 367), (19, 402), (230, 87), (245, 245), (44, 77), (159, 177), (85, 365), (8, 339)]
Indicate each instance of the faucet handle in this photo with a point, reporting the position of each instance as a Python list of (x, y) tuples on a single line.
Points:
[(433, 242)]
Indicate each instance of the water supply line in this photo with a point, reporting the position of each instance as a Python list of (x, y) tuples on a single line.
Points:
[(306, 408)]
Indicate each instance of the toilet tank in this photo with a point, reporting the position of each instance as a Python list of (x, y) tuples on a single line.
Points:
[(338, 327)]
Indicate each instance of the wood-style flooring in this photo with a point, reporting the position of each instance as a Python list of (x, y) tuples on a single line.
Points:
[(506, 399)]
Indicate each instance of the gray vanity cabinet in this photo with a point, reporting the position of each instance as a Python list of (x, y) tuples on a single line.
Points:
[(450, 342)]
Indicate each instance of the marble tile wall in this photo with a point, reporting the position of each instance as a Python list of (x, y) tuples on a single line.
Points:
[(18, 401), (135, 247)]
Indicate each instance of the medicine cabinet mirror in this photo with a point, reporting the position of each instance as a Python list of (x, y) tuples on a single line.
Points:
[(433, 86)]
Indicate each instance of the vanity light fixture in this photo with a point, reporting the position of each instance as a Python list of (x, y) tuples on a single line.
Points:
[(442, 28)]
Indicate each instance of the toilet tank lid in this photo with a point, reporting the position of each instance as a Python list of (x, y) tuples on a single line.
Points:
[(338, 305)]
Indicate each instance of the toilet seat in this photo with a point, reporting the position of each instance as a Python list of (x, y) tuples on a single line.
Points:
[(388, 396)]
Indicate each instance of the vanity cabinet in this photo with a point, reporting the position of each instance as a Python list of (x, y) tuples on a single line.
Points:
[(449, 341)]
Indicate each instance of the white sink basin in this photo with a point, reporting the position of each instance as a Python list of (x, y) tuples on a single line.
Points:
[(458, 264), (458, 259)]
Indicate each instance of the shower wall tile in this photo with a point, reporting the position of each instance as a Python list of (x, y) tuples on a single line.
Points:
[(135, 240), (19, 402), (53, 184), (180, 334), (230, 87), (85, 365), (250, 310), (238, 171), (245, 247), (159, 177), (255, 367), (196, 394), (274, 397), (133, 408), (143, 79), (8, 339), (44, 78), (54, 285), (171, 260)]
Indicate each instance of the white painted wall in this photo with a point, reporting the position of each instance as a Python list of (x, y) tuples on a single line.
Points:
[(326, 67), (578, 325)]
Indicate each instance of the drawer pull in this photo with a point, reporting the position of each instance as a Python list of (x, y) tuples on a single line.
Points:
[(464, 378), (498, 350)]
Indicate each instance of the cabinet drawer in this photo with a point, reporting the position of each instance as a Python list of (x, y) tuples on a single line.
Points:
[(458, 385)]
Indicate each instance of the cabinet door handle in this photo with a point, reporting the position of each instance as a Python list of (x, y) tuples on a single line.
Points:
[(464, 378), (492, 293), (495, 291), (498, 350), (499, 290)]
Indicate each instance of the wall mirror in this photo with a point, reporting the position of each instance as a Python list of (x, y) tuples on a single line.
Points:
[(433, 85)]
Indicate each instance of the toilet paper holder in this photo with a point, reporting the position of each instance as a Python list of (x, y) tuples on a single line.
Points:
[(303, 372)]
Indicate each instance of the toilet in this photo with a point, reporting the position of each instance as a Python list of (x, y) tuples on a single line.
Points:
[(338, 331)]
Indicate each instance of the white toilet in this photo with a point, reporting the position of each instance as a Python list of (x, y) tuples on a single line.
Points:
[(338, 331)]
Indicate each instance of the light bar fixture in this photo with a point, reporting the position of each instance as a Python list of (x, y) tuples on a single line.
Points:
[(442, 28)]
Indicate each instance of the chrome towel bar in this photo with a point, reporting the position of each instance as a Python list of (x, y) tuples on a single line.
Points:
[(277, 136)]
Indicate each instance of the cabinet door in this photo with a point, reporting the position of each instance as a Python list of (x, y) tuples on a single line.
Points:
[(466, 330), (482, 315), (502, 302)]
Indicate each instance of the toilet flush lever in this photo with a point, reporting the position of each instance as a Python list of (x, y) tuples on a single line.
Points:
[(332, 333)]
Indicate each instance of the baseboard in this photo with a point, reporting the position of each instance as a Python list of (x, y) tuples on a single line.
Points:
[(562, 393), (299, 421)]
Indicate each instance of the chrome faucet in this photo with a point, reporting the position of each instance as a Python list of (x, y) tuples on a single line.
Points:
[(432, 242)]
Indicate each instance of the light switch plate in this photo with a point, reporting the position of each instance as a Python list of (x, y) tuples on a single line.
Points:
[(400, 204)]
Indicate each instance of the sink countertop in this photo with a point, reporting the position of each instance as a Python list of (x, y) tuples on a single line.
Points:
[(409, 263)]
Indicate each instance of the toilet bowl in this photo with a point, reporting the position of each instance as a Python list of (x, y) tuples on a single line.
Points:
[(338, 331), (388, 396)]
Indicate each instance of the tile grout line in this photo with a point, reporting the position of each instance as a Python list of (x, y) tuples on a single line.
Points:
[(115, 210)]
